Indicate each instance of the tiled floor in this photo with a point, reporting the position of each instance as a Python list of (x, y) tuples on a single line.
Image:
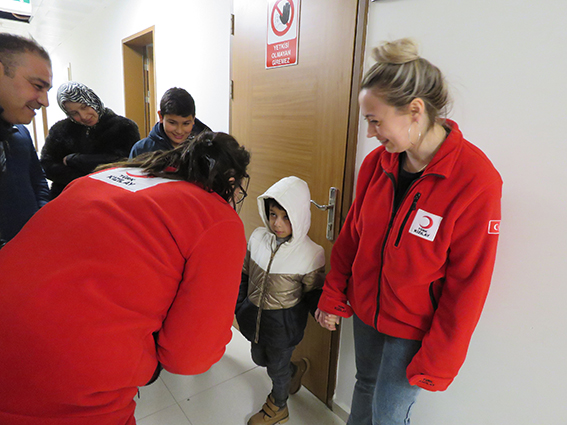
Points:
[(228, 394)]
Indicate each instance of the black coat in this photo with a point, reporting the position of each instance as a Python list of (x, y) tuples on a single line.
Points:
[(108, 141)]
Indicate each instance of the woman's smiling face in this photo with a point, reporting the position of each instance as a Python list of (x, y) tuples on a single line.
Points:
[(386, 123)]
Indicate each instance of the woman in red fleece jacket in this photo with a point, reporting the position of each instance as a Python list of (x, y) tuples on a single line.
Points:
[(129, 269), (415, 256)]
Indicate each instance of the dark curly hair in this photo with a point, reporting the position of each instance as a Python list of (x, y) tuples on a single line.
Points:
[(214, 161)]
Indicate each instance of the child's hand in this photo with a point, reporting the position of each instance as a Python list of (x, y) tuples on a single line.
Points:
[(328, 321)]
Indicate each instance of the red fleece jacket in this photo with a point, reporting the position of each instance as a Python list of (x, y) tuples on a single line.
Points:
[(424, 272), (114, 259)]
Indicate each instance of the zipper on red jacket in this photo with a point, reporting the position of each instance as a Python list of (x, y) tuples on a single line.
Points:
[(390, 223), (406, 218)]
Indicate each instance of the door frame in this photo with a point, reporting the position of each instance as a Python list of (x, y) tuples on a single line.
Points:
[(350, 166), (140, 80)]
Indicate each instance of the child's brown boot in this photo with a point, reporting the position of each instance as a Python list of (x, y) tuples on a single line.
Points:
[(301, 367), (270, 414)]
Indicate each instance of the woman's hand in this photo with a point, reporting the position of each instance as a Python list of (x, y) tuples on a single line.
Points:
[(328, 321)]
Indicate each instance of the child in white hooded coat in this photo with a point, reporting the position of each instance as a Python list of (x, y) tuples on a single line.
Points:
[(282, 277)]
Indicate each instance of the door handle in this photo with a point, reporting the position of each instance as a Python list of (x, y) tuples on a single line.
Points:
[(331, 210)]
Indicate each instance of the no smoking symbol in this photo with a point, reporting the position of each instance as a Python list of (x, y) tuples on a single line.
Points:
[(283, 14)]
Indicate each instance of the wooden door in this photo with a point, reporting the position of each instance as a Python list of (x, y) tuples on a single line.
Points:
[(295, 121)]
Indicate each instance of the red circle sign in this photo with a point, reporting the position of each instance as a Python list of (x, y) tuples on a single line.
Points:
[(281, 14)]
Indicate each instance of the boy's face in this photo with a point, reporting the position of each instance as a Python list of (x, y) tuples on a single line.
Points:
[(279, 222), (176, 127)]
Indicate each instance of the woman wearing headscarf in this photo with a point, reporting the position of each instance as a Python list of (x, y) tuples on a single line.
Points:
[(91, 135)]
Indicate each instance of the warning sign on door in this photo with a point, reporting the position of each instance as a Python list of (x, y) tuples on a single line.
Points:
[(283, 28)]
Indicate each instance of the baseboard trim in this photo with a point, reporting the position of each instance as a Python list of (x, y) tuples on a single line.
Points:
[(340, 412)]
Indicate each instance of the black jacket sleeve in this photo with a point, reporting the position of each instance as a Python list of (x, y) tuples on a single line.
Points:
[(59, 143)]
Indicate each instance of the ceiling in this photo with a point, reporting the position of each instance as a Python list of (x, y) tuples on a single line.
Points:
[(53, 20)]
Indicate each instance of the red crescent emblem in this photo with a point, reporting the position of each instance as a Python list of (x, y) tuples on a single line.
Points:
[(428, 225)]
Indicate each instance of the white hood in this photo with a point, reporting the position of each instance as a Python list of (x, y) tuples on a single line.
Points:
[(293, 194)]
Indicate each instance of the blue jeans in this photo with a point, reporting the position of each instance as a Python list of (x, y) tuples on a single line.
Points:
[(278, 363), (382, 393)]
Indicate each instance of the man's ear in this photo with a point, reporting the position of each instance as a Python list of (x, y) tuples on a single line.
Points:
[(160, 116)]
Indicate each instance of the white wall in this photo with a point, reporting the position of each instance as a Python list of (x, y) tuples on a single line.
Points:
[(192, 50), (506, 64)]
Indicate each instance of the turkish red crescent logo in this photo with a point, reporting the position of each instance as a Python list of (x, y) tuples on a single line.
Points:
[(140, 176), (429, 224)]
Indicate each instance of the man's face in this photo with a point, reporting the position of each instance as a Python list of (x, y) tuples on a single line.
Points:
[(26, 90)]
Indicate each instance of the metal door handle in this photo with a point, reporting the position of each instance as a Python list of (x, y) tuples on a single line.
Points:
[(330, 208)]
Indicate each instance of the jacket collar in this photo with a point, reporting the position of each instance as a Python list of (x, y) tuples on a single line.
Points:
[(5, 127), (444, 160)]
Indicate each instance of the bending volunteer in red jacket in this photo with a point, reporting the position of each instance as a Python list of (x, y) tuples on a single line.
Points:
[(120, 257), (426, 275)]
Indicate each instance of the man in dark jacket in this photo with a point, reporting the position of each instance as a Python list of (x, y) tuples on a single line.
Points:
[(25, 78), (177, 123), (23, 188)]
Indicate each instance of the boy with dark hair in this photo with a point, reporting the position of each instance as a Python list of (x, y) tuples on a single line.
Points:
[(282, 278), (177, 123)]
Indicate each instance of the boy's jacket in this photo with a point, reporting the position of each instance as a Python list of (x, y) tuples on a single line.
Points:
[(281, 284)]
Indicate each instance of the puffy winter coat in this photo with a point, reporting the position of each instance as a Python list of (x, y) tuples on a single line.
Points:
[(281, 283)]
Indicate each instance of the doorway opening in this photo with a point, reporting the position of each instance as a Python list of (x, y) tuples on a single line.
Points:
[(139, 80)]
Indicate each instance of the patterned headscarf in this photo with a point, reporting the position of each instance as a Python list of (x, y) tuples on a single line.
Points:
[(79, 93)]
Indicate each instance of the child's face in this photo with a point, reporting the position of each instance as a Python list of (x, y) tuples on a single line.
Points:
[(279, 222), (176, 127)]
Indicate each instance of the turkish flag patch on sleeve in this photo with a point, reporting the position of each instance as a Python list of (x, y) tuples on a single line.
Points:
[(494, 227)]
